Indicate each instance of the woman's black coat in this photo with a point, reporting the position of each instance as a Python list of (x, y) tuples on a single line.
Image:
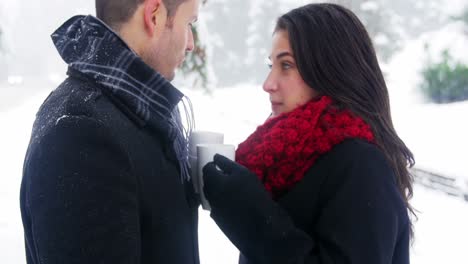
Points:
[(347, 209)]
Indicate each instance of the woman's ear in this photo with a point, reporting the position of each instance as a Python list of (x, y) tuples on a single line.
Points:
[(152, 12)]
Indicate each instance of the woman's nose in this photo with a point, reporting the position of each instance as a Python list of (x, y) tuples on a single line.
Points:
[(270, 85)]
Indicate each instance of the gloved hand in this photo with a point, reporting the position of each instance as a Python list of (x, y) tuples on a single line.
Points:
[(248, 216), (224, 177)]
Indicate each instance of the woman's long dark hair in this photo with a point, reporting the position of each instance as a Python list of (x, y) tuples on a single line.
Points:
[(335, 56)]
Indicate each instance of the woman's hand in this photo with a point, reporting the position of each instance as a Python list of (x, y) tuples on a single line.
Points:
[(244, 210), (222, 177)]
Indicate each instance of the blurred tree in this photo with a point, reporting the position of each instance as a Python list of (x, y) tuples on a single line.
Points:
[(378, 22), (445, 81), (227, 24), (262, 16), (239, 34), (464, 18), (239, 39), (390, 22)]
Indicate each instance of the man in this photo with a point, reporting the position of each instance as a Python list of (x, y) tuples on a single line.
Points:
[(106, 177)]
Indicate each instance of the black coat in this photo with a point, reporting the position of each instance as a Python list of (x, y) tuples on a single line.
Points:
[(99, 187), (347, 209)]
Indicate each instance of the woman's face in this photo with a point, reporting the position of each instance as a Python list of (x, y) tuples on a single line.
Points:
[(285, 85)]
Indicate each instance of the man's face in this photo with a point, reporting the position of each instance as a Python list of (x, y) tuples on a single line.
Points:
[(172, 39)]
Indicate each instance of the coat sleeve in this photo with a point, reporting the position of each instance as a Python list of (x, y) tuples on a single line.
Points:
[(359, 221), (81, 197)]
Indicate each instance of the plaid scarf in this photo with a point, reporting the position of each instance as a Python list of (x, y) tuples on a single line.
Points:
[(90, 47)]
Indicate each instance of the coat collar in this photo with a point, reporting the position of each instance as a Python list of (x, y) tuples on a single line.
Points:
[(91, 49)]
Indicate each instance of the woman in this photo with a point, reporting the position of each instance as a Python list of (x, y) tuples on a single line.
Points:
[(325, 179)]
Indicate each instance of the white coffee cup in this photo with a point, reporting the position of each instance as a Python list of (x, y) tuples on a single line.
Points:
[(205, 154), (204, 137), (200, 137)]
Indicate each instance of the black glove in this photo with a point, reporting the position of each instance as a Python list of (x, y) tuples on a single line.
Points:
[(247, 215), (224, 177)]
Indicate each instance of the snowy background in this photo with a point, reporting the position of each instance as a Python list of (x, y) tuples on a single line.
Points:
[(437, 134)]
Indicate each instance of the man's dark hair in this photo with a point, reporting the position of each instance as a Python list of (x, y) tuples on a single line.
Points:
[(116, 12)]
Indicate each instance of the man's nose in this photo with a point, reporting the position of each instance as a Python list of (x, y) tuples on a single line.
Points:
[(191, 42)]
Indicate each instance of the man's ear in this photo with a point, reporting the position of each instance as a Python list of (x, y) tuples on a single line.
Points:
[(154, 13)]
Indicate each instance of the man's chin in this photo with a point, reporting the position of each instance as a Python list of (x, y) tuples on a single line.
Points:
[(170, 77)]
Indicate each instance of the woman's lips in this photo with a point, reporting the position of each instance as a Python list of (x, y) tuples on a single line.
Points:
[(275, 106)]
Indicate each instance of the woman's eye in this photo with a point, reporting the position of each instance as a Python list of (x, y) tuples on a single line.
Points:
[(269, 65), (285, 66)]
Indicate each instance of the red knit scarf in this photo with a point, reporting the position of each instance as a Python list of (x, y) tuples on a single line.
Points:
[(280, 151)]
